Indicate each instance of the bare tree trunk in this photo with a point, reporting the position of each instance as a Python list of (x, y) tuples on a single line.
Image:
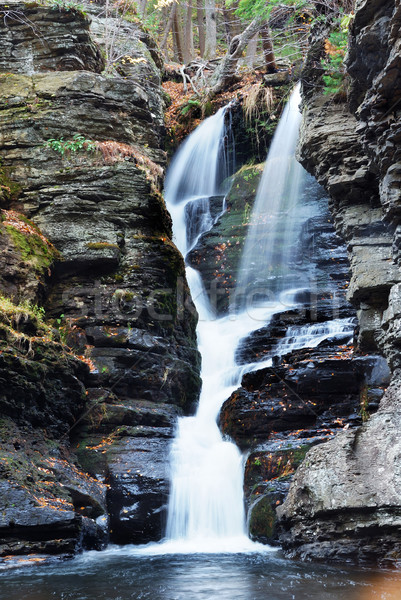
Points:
[(226, 69), (200, 13), (163, 43), (142, 8), (268, 51), (177, 36), (189, 51), (231, 21), (210, 41), (251, 51), (227, 23)]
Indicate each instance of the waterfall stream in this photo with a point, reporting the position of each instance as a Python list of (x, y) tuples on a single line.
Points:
[(277, 216), (206, 509)]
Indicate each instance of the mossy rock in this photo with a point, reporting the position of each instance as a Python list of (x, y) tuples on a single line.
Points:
[(219, 251), (30, 258), (9, 189), (264, 466), (262, 520)]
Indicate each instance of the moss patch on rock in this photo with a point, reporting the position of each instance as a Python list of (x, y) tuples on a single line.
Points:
[(218, 253), (28, 258)]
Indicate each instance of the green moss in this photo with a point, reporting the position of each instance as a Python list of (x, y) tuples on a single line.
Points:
[(262, 519), (64, 5), (166, 306), (207, 109), (14, 316), (278, 465), (32, 248)]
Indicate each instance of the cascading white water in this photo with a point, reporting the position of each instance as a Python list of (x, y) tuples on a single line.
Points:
[(206, 511), (310, 336), (276, 218), (198, 171)]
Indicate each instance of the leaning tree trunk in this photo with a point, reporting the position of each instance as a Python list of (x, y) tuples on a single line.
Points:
[(163, 43), (225, 72), (177, 37), (142, 8), (227, 23)]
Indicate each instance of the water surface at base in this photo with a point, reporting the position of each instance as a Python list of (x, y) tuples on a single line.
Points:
[(123, 573)]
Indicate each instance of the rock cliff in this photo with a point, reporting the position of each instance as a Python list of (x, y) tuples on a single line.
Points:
[(344, 502), (85, 234)]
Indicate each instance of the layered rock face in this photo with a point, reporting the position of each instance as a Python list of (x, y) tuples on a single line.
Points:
[(344, 501), (81, 159)]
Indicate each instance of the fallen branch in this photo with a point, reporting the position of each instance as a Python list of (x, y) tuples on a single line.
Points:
[(186, 77)]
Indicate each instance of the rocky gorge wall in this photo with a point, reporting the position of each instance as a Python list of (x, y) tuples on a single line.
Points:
[(91, 392), (344, 502)]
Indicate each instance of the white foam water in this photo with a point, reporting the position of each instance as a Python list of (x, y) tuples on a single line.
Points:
[(206, 508), (313, 334), (277, 216)]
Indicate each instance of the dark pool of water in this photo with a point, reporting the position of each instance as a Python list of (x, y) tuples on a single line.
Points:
[(122, 574)]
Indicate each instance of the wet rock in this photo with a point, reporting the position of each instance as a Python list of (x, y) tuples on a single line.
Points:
[(47, 504), (27, 258), (335, 494), (127, 446), (35, 379), (358, 164), (115, 253), (305, 399), (217, 253), (292, 324), (138, 493), (343, 502), (321, 387), (277, 79)]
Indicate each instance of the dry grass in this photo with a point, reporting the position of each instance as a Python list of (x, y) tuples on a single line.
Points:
[(258, 99), (113, 152)]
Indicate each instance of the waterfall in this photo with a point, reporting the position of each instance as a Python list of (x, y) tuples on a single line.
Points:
[(206, 498), (267, 262), (206, 509), (199, 170), (310, 336)]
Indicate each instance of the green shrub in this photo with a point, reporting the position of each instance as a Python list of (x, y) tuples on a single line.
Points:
[(335, 76), (79, 143)]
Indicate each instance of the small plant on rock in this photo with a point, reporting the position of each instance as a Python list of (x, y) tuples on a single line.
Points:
[(190, 105), (335, 76), (78, 143), (68, 5)]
